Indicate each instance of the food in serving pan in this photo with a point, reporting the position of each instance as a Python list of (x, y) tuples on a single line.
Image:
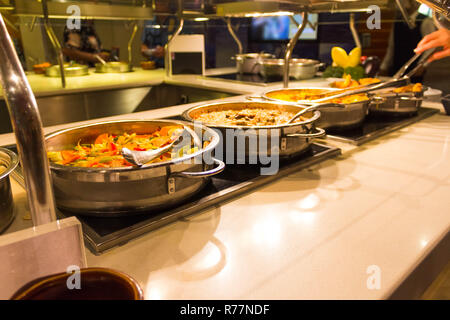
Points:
[(295, 95), (105, 151), (40, 68), (348, 82), (413, 87), (148, 65), (247, 117)]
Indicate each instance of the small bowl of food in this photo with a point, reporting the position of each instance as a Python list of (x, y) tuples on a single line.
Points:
[(148, 65), (40, 68)]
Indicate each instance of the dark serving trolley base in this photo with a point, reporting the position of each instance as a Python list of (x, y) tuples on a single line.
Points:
[(101, 234)]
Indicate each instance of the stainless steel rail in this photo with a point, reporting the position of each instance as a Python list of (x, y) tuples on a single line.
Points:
[(235, 37), (405, 14), (55, 43), (290, 48), (130, 43), (354, 31), (167, 58), (27, 126)]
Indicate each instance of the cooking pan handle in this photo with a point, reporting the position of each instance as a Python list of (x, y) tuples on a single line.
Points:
[(203, 174), (377, 100), (256, 98), (320, 133)]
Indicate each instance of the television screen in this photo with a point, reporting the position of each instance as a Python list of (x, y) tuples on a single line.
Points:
[(281, 28)]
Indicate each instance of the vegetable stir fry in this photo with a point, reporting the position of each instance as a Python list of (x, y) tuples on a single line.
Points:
[(105, 152)]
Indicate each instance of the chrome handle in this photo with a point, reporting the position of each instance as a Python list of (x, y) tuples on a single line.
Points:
[(256, 98), (203, 174), (26, 122), (377, 100), (321, 132)]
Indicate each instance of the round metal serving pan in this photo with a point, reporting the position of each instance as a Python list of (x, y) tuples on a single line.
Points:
[(113, 67), (111, 192), (249, 63), (298, 68), (352, 115), (392, 103), (283, 140), (70, 70), (9, 161)]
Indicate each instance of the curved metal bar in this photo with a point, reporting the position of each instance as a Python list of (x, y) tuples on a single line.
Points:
[(405, 15), (166, 50), (27, 126), (203, 174), (167, 58), (130, 43), (290, 48), (55, 43), (235, 37), (353, 30)]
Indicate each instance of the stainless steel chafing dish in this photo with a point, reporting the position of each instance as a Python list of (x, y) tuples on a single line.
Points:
[(113, 67), (8, 162), (70, 70), (122, 191), (292, 138), (351, 115), (298, 68), (392, 103)]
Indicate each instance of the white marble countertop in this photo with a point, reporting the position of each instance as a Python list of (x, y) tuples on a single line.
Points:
[(310, 235)]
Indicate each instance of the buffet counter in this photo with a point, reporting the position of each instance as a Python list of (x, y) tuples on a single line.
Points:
[(378, 210)]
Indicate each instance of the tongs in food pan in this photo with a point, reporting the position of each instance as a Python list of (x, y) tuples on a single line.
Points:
[(422, 64), (399, 80)]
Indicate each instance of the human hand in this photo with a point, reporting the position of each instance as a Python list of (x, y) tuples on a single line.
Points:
[(439, 38), (158, 52), (104, 55)]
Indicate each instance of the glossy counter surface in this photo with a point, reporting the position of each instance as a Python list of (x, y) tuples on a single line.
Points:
[(321, 233)]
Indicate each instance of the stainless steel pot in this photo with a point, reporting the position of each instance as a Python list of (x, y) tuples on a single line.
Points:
[(113, 67), (298, 68), (250, 63), (113, 192), (397, 103), (352, 115), (70, 70), (8, 162), (289, 139)]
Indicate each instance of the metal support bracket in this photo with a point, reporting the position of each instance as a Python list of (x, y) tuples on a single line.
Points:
[(235, 37), (167, 58), (290, 48), (354, 31), (27, 126), (55, 43), (130, 43)]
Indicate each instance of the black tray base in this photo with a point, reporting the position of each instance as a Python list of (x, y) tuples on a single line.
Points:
[(378, 124), (105, 233)]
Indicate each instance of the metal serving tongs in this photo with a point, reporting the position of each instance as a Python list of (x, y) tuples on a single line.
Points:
[(422, 64), (140, 158), (399, 79)]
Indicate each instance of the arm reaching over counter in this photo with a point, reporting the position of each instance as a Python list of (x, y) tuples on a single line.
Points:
[(439, 38)]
